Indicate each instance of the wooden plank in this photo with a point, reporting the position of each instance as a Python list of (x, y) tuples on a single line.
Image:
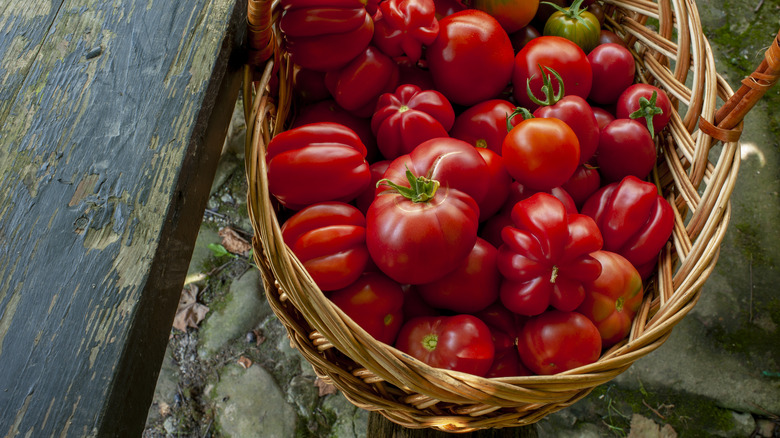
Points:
[(111, 132), (379, 426)]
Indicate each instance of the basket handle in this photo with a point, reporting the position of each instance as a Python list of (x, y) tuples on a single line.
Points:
[(727, 126), (260, 32)]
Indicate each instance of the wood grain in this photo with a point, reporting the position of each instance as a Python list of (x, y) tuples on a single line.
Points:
[(112, 117)]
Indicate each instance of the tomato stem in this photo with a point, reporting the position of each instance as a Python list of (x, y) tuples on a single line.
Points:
[(554, 274), (518, 111), (429, 342), (648, 109), (619, 304), (421, 189), (550, 97), (573, 12)]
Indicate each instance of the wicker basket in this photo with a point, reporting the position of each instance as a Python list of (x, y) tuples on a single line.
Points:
[(699, 164)]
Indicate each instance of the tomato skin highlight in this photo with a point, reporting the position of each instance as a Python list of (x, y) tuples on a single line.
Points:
[(541, 153), (557, 341)]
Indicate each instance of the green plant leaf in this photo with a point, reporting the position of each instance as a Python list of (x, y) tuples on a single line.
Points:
[(218, 249)]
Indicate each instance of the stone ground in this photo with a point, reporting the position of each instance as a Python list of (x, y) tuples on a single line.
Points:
[(235, 374)]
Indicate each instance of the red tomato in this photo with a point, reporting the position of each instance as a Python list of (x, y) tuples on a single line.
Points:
[(625, 148), (513, 15), (523, 36), (557, 341), (603, 117), (329, 238), (448, 7), (613, 71), (375, 303), (471, 59), (325, 35), (418, 233), (414, 73), (541, 153), (459, 343), (414, 305), (500, 184), (518, 192), (557, 53), (315, 163), (545, 256), (364, 200), (612, 300), (470, 287), (329, 111), (309, 85), (584, 183), (577, 113), (607, 36), (484, 124), (409, 116), (635, 221), (504, 326), (358, 85), (647, 103), (403, 27), (454, 163)]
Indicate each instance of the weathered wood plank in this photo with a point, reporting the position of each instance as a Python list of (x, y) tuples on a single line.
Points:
[(111, 128)]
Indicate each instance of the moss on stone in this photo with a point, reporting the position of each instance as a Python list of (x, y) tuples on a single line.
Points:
[(690, 416)]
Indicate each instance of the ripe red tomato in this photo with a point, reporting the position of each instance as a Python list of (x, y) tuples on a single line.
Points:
[(647, 103), (454, 163), (585, 182), (471, 59), (612, 300), (325, 35), (364, 200), (470, 287), (545, 256), (577, 113), (375, 303), (500, 184), (504, 326), (459, 343), (557, 53), (557, 341), (357, 85), (513, 15), (315, 163), (541, 153), (613, 71), (409, 116), (403, 27), (625, 148), (329, 238), (419, 232), (329, 111), (484, 124)]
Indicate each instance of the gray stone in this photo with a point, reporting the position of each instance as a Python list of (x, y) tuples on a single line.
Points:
[(303, 394), (249, 403), (167, 386), (228, 164), (201, 252), (243, 308), (351, 421)]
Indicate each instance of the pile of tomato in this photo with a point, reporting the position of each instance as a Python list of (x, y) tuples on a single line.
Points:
[(470, 183)]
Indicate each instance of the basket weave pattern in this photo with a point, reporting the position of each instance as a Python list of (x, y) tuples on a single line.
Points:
[(698, 165)]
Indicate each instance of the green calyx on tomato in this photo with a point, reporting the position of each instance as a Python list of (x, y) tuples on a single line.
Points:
[(430, 341), (519, 111), (648, 109), (574, 23), (421, 189), (550, 97)]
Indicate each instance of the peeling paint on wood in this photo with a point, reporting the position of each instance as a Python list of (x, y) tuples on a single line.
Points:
[(111, 121)]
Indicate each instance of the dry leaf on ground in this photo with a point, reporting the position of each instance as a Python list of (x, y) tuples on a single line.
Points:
[(245, 362), (325, 387), (233, 242), (190, 312)]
